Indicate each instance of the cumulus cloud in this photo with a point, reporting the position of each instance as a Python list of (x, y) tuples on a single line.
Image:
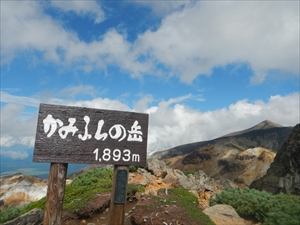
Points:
[(14, 154), (15, 128), (171, 123), (175, 125), (24, 27), (72, 91), (192, 40), (91, 8), (209, 34)]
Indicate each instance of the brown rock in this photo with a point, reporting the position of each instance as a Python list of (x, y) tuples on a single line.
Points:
[(284, 173), (224, 214)]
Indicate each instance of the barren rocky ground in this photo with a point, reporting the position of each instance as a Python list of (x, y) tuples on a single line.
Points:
[(147, 211)]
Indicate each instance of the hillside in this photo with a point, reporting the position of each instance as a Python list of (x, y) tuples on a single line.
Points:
[(158, 194), (242, 156), (19, 189), (284, 173)]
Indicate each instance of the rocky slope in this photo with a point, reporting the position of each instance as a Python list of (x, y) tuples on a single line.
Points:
[(157, 178), (19, 189), (242, 156), (284, 173)]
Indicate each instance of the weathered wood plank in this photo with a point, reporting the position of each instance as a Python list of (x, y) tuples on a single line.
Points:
[(55, 193), (118, 196), (68, 134)]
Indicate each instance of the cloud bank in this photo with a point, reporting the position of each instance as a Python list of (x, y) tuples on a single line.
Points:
[(192, 40), (171, 123)]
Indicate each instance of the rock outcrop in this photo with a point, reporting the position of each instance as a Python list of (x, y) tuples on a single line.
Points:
[(158, 176), (224, 214), (19, 189), (284, 173)]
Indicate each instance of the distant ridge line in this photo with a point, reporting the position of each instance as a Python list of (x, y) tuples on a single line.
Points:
[(266, 124)]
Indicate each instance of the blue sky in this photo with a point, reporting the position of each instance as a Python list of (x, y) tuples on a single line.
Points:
[(201, 69)]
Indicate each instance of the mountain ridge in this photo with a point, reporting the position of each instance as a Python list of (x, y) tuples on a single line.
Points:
[(264, 126), (231, 155)]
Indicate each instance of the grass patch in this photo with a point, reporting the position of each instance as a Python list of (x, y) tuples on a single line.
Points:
[(187, 172), (189, 202), (76, 195), (85, 186)]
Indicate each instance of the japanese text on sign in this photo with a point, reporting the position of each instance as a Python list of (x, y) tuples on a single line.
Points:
[(117, 131), (82, 135)]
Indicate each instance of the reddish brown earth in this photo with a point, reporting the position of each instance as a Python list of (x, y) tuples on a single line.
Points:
[(146, 212)]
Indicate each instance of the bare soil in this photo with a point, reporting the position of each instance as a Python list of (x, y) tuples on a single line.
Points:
[(141, 211), (144, 211)]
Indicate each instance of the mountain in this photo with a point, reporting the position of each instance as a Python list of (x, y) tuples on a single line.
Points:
[(19, 189), (266, 124), (242, 156), (284, 173)]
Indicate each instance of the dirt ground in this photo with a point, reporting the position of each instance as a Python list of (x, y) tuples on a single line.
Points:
[(137, 212)]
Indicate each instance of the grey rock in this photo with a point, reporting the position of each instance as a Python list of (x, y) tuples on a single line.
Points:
[(33, 217), (284, 173), (224, 214)]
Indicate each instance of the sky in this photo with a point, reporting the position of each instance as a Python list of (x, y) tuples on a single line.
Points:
[(200, 69)]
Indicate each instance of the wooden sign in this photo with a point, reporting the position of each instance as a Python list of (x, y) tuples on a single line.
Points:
[(82, 135)]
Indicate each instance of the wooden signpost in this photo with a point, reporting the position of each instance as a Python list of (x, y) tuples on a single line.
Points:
[(90, 136)]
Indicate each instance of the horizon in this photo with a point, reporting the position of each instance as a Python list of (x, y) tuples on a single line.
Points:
[(200, 69), (42, 169)]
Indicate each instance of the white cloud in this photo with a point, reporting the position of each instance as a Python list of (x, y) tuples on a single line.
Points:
[(175, 125), (190, 41), (207, 34), (24, 27), (81, 8), (22, 100), (14, 154), (15, 128), (72, 91), (171, 123)]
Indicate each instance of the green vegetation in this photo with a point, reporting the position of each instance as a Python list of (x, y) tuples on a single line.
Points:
[(267, 208), (76, 195), (187, 172), (85, 186), (132, 189), (11, 213), (133, 168), (188, 202)]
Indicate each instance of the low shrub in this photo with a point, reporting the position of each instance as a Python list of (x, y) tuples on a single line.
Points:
[(11, 213), (265, 207)]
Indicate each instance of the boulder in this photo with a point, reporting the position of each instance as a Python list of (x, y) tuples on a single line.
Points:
[(33, 217), (157, 167), (224, 214)]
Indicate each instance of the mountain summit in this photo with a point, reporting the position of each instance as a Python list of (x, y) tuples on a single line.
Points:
[(266, 124), (242, 156)]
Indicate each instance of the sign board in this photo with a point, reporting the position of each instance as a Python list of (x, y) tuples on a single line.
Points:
[(83, 135)]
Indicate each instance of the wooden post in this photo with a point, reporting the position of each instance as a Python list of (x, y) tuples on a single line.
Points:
[(55, 193), (118, 196)]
